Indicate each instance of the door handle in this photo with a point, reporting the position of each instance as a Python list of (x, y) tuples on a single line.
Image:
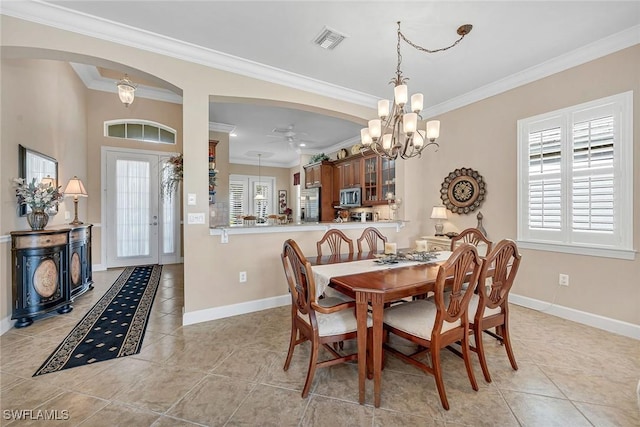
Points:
[(154, 223)]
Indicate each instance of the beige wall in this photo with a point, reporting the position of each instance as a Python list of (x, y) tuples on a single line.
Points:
[(44, 108), (481, 136)]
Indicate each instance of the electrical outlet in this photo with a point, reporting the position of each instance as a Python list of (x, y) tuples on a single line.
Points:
[(243, 276), (563, 280)]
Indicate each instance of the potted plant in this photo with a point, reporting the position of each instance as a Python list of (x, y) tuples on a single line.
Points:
[(40, 198), (172, 175)]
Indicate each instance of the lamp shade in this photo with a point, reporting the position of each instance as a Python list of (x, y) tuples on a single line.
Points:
[(439, 212), (75, 188)]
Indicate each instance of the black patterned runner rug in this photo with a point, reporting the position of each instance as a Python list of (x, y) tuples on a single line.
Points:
[(114, 327)]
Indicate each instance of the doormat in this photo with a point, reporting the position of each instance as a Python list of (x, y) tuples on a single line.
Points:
[(114, 327)]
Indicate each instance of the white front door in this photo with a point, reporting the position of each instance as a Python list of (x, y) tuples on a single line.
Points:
[(140, 227)]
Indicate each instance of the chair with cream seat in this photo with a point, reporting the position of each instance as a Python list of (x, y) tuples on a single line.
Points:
[(436, 325), (312, 322), (474, 237), (489, 307), (371, 236)]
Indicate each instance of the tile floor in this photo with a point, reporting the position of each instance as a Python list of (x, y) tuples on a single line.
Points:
[(229, 372)]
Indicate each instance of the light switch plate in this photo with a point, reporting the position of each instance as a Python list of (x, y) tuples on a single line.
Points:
[(195, 218), (67, 215), (191, 199)]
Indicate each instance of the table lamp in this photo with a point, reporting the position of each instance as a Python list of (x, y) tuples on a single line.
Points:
[(75, 189), (439, 213)]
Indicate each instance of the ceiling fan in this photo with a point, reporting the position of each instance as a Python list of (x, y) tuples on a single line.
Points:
[(289, 136)]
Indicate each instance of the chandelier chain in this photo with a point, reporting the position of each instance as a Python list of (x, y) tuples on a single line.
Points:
[(463, 31)]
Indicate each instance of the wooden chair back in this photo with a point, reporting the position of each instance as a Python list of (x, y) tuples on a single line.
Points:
[(472, 236), (463, 266), (371, 235), (505, 261), (299, 276), (334, 239)]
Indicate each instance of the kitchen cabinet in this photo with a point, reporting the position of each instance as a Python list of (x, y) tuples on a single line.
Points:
[(350, 173), (379, 179), (320, 175), (50, 268)]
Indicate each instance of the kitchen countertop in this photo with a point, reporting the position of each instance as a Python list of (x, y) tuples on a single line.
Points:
[(226, 231)]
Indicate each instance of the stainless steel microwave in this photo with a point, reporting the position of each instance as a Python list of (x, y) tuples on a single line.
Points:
[(350, 197)]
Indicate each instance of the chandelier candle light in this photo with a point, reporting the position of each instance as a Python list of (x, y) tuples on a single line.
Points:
[(396, 131)]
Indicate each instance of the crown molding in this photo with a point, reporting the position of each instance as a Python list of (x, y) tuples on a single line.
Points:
[(221, 127), (81, 23), (590, 52), (92, 79)]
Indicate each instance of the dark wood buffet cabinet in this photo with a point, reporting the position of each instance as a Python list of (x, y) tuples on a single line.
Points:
[(50, 268)]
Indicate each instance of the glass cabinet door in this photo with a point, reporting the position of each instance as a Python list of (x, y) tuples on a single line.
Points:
[(387, 177), (370, 185)]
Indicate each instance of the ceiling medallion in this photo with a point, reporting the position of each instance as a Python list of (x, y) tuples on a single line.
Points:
[(463, 191)]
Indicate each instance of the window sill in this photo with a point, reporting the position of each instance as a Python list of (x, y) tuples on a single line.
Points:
[(627, 254)]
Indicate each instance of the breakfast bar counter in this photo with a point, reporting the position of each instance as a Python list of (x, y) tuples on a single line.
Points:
[(225, 232)]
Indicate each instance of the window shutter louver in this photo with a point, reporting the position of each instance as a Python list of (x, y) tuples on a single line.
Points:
[(545, 192), (593, 175), (237, 208)]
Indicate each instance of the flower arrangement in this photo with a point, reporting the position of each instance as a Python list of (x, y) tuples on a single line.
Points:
[(318, 158), (39, 197), (172, 175)]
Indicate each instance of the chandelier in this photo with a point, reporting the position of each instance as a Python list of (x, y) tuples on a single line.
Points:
[(395, 133), (126, 90)]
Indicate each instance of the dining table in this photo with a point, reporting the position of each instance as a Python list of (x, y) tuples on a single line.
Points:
[(372, 284)]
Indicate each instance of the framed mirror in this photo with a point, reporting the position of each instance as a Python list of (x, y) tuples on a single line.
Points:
[(32, 164)]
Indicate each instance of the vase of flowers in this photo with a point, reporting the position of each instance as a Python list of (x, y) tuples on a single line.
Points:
[(40, 198), (172, 175)]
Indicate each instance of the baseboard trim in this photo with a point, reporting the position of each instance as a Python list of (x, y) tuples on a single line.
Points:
[(611, 325), (98, 267), (5, 325), (214, 313)]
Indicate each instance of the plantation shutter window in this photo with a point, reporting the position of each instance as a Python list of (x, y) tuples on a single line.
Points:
[(242, 202), (575, 176), (237, 206)]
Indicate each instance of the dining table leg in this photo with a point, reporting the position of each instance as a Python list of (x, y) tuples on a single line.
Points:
[(377, 306), (361, 316)]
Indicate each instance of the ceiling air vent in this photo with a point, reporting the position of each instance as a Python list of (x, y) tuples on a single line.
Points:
[(329, 38)]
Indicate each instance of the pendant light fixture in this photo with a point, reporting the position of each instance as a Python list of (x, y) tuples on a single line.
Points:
[(126, 90), (395, 133)]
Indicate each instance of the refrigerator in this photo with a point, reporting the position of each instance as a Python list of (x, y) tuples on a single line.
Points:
[(310, 205)]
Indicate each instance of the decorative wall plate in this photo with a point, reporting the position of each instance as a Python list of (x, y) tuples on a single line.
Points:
[(356, 149), (342, 153), (463, 191)]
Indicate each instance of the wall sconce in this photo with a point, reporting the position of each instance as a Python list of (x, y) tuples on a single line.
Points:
[(439, 213), (75, 189), (126, 90)]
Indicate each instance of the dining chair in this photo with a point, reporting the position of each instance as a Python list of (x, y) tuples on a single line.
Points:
[(320, 325), (334, 239), (489, 306), (436, 325), (474, 237), (372, 236)]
